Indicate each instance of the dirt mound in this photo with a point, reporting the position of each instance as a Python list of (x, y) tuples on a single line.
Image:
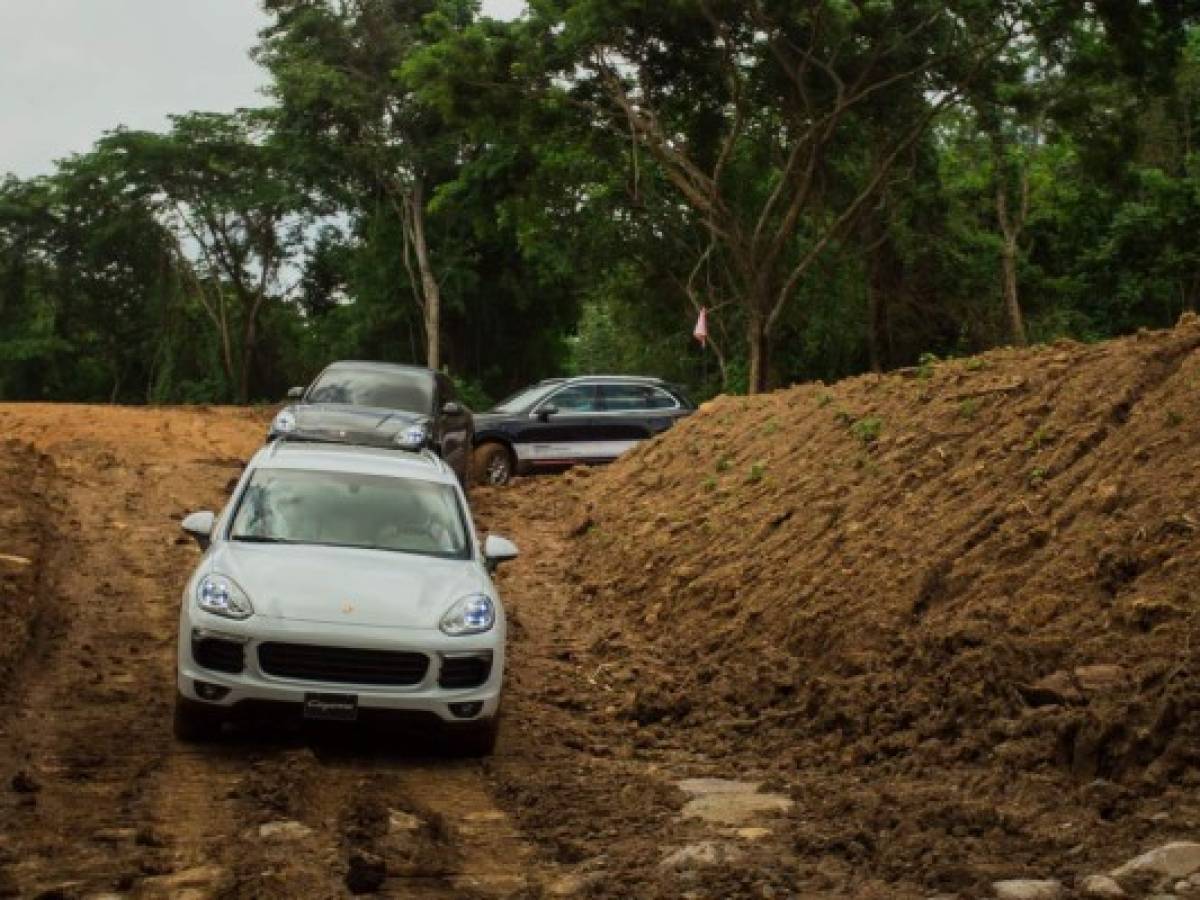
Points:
[(24, 522), (985, 565)]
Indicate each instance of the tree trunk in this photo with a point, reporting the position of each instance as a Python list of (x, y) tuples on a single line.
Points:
[(760, 347), (249, 339), (1012, 299), (431, 308), (881, 278)]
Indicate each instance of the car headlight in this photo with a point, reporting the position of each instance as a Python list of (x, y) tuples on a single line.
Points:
[(284, 422), (222, 597), (414, 437), (470, 615)]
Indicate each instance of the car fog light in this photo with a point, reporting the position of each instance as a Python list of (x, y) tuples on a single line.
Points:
[(284, 423), (413, 437), (211, 692), (466, 710)]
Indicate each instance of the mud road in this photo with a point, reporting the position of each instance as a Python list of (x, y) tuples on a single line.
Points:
[(97, 798)]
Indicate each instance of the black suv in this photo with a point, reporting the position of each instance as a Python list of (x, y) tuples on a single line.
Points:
[(564, 421), (381, 405)]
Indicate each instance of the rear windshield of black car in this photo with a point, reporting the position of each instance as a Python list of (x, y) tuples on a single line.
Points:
[(409, 391)]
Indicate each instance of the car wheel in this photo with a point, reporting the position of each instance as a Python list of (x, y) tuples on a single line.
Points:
[(493, 464), (475, 740), (196, 723)]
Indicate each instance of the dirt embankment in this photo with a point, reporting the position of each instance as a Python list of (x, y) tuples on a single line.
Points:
[(893, 638), (25, 517), (952, 612)]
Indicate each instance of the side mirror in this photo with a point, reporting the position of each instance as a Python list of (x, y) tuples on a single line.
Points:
[(200, 525), (295, 393), (546, 412), (450, 408), (497, 550)]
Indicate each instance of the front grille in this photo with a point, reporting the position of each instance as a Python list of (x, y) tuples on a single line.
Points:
[(465, 671), (218, 654), (346, 665)]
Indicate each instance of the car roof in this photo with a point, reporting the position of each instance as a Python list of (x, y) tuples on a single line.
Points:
[(352, 458), (638, 379), (369, 365)]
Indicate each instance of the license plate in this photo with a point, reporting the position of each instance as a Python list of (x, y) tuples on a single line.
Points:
[(331, 707)]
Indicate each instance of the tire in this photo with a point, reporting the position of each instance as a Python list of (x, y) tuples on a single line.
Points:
[(492, 464), (476, 740), (196, 723)]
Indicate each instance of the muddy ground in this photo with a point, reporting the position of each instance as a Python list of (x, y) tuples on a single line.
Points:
[(894, 638)]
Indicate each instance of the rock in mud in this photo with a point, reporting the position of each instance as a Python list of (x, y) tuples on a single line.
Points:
[(700, 855), (366, 874), (1178, 859), (1101, 887), (197, 881), (284, 830), (1027, 889), (725, 802)]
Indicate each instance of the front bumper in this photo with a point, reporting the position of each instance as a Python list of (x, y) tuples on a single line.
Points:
[(253, 688)]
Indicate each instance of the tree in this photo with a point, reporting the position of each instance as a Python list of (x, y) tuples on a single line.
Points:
[(751, 110), (224, 191), (354, 122)]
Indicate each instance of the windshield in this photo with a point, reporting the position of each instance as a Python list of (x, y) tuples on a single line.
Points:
[(339, 509), (387, 389), (523, 399)]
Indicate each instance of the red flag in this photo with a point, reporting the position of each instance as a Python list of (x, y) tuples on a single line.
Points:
[(700, 332)]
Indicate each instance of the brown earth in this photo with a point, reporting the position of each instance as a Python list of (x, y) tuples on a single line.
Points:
[(945, 619)]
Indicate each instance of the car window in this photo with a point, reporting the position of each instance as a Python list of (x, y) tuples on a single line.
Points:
[(659, 399), (578, 398), (409, 391), (524, 399), (628, 397), (341, 509)]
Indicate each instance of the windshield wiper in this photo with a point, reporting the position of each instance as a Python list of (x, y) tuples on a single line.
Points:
[(260, 539)]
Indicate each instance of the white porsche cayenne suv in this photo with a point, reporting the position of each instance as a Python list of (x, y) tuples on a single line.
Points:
[(343, 583)]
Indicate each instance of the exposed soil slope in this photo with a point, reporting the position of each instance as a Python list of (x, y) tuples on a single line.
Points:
[(986, 567), (24, 521)]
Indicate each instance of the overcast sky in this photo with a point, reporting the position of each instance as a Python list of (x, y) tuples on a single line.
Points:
[(70, 69)]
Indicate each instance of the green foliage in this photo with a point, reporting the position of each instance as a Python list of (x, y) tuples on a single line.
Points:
[(926, 363), (867, 429), (968, 408), (233, 255), (1039, 439), (758, 470)]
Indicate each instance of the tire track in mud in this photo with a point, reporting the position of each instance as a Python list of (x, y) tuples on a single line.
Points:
[(116, 804)]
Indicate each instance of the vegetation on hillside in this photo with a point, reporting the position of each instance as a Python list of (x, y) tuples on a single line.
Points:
[(845, 186)]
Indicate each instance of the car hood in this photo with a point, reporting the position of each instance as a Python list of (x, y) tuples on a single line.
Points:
[(308, 583), (356, 424)]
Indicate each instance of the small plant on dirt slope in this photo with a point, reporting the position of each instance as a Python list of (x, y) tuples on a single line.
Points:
[(709, 484), (867, 429), (968, 408), (926, 363), (975, 363), (824, 400), (1174, 419), (1040, 438), (1037, 476), (758, 469), (770, 428), (723, 464)]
